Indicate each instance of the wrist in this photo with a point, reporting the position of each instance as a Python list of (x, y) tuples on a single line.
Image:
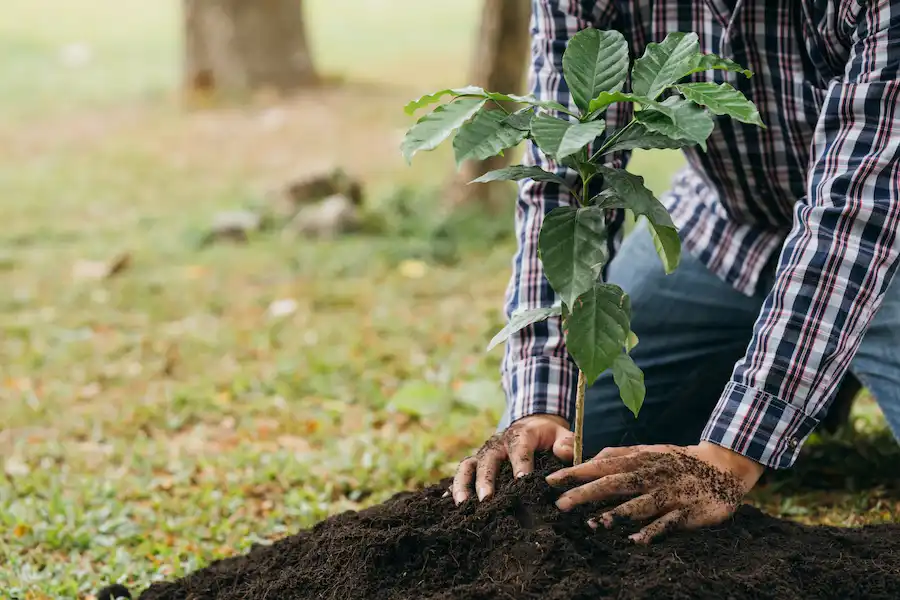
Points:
[(746, 469)]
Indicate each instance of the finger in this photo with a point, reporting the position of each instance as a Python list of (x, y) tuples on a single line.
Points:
[(666, 524), (564, 446), (462, 481), (490, 457), (616, 451), (597, 468), (622, 484), (520, 445), (641, 508)]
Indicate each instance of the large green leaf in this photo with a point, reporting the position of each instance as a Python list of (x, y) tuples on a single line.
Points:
[(668, 246), (708, 62), (626, 190), (678, 118), (520, 320), (477, 92), (722, 99), (595, 61), (519, 172), (638, 136), (664, 64), (630, 381), (572, 244), (435, 127), (485, 136), (597, 328), (559, 138)]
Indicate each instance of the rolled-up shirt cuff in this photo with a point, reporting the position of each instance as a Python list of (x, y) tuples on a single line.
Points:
[(758, 425), (541, 385)]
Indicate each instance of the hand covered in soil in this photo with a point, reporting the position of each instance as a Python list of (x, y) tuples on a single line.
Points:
[(679, 487), (517, 444)]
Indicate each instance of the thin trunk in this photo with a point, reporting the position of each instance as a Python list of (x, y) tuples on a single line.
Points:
[(236, 47), (499, 65), (579, 418)]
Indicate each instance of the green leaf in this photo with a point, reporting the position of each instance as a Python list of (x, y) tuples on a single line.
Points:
[(429, 99), (520, 320), (638, 136), (518, 172), (722, 99), (709, 62), (595, 61), (664, 64), (477, 92), (572, 243), (630, 381), (626, 190), (668, 246), (632, 342), (559, 138), (435, 127), (678, 118), (602, 101), (485, 136), (597, 328)]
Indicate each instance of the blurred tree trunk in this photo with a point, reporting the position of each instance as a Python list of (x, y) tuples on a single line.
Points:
[(499, 65), (239, 46)]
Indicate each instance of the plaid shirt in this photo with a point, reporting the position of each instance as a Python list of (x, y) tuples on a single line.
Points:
[(820, 186)]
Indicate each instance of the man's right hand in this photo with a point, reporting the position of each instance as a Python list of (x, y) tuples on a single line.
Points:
[(517, 444)]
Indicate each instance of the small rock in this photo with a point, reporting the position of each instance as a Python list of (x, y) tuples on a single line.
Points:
[(285, 200), (234, 226), (327, 219)]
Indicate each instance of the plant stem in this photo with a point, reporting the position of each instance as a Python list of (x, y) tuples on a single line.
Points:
[(611, 141), (579, 417)]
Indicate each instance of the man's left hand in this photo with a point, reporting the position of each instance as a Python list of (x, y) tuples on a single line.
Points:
[(678, 487)]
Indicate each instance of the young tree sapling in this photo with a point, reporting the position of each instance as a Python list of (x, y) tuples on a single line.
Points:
[(596, 316)]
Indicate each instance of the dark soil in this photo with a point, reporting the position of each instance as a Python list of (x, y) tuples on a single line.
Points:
[(518, 545)]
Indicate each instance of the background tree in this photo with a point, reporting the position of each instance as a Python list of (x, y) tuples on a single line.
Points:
[(499, 63), (240, 46)]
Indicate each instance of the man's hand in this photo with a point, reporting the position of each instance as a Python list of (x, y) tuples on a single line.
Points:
[(681, 488), (518, 445)]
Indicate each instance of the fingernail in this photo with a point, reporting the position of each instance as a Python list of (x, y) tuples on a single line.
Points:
[(635, 538), (459, 499), (607, 520), (592, 523), (563, 504), (482, 492), (446, 495), (520, 474)]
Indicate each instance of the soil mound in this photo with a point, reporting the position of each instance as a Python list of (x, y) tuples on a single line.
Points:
[(519, 546)]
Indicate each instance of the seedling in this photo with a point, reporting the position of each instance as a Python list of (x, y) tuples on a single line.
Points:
[(596, 316)]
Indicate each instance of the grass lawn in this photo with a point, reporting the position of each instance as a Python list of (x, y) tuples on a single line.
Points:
[(164, 418)]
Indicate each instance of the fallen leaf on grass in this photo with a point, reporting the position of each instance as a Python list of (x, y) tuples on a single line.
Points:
[(413, 269), (282, 308), (95, 270)]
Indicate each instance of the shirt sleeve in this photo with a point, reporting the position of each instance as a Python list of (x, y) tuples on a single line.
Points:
[(538, 375), (837, 262)]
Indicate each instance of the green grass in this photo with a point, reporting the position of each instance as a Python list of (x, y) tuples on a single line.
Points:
[(163, 418)]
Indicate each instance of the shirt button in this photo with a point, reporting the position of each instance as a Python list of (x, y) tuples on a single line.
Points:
[(793, 442)]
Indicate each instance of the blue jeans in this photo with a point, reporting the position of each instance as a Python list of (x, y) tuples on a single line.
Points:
[(693, 328)]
